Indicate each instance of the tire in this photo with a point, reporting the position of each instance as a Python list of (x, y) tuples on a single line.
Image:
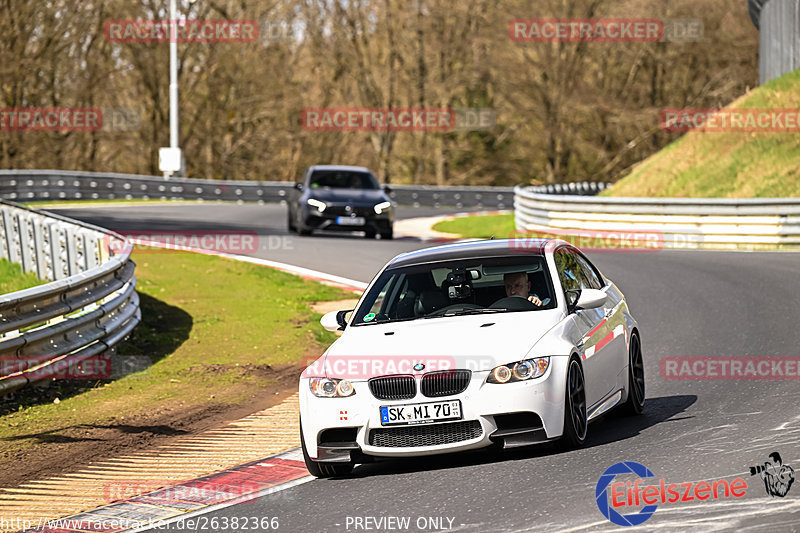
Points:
[(323, 470), (369, 234), (636, 381), (290, 223), (387, 235), (575, 421)]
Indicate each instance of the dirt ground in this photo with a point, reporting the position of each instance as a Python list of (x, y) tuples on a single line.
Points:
[(58, 452)]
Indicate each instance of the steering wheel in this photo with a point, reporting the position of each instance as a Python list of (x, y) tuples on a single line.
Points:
[(455, 307), (514, 303)]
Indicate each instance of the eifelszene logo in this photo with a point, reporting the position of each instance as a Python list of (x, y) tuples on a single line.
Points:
[(615, 498)]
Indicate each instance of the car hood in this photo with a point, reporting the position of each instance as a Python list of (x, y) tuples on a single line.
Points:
[(476, 342), (349, 196)]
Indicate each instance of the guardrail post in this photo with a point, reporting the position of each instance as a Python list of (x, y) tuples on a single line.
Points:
[(39, 251), (23, 223), (56, 252), (73, 266)]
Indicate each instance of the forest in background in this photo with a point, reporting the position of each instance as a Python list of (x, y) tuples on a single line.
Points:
[(565, 111)]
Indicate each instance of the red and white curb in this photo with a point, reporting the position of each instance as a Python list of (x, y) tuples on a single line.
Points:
[(240, 484)]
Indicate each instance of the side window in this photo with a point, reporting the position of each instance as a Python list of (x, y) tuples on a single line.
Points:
[(594, 279), (575, 272), (569, 272)]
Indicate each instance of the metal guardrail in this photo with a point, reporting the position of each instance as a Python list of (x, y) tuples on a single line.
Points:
[(35, 185), (687, 223), (89, 306)]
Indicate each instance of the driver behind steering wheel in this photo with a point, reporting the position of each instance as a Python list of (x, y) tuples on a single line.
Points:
[(518, 284)]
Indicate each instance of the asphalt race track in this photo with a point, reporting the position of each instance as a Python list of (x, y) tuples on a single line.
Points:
[(687, 303)]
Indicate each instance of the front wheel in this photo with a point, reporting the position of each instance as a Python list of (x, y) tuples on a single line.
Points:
[(323, 470), (635, 402), (575, 422)]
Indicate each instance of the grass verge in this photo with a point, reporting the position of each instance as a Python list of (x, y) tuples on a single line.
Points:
[(726, 165), (213, 328), (12, 278), (480, 226)]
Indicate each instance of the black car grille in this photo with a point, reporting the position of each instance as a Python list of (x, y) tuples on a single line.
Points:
[(357, 211), (445, 382), (425, 435), (393, 387)]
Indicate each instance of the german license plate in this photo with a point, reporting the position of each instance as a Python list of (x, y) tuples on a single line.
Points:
[(350, 221), (420, 413)]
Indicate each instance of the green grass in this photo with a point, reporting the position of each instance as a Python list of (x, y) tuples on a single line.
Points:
[(12, 278), (726, 165), (210, 326), (479, 226)]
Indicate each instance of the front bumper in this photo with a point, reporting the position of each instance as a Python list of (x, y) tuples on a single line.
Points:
[(329, 219), (347, 429)]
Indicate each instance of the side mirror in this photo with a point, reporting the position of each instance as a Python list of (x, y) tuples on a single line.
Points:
[(572, 296), (591, 299), (335, 320), (298, 186), (387, 189)]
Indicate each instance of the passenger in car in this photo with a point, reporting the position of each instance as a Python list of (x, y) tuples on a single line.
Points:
[(518, 284)]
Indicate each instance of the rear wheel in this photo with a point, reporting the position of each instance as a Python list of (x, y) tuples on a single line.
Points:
[(387, 234), (369, 234), (323, 470), (635, 402), (575, 422)]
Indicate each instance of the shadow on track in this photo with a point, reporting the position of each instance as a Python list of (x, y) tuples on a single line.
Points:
[(605, 430)]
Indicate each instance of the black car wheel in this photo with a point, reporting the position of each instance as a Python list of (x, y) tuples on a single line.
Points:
[(635, 402), (290, 222), (369, 234), (387, 234), (575, 422)]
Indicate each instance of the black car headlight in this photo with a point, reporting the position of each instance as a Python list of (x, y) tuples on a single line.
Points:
[(331, 388), (521, 371)]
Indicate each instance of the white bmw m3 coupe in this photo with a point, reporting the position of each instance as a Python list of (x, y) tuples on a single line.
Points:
[(458, 347)]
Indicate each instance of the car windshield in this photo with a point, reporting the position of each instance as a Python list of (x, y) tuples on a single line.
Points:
[(460, 287), (343, 179)]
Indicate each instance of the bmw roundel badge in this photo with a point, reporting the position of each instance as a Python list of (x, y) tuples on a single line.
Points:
[(419, 366)]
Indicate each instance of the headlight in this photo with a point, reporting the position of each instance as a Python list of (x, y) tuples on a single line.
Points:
[(522, 371), (379, 208), (316, 203), (331, 388)]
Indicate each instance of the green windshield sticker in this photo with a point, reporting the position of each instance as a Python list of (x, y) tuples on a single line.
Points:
[(369, 316)]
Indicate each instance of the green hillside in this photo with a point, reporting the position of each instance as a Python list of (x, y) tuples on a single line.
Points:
[(726, 165)]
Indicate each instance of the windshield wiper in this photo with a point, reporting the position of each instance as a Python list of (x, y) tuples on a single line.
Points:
[(476, 311)]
